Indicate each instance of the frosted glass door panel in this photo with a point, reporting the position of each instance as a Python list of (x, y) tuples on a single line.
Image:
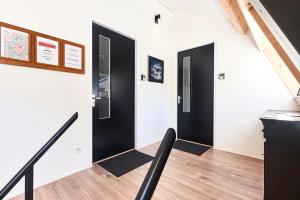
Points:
[(186, 84), (104, 78)]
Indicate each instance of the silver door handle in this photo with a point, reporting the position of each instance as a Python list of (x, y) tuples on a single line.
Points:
[(179, 99), (93, 97), (93, 101)]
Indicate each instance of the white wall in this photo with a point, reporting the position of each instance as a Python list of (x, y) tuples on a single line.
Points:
[(35, 103), (251, 85)]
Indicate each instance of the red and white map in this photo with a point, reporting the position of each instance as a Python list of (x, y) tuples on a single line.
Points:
[(14, 44)]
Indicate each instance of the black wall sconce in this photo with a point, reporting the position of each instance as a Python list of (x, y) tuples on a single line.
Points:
[(156, 18)]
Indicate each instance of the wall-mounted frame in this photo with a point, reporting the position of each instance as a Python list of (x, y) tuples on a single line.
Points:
[(15, 45), (73, 58), (26, 48), (155, 70), (47, 50)]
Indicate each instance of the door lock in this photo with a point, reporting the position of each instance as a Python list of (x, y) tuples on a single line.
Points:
[(179, 99)]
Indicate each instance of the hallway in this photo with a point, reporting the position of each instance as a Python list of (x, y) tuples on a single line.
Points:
[(213, 175)]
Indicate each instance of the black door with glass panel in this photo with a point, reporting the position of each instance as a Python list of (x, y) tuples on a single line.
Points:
[(195, 98), (113, 93)]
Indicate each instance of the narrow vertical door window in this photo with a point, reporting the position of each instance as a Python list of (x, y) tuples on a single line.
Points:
[(186, 84), (104, 92)]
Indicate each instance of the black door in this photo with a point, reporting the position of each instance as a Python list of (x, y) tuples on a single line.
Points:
[(113, 93), (196, 95)]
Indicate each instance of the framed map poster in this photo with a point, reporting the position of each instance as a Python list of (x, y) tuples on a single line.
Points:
[(47, 51), (15, 44)]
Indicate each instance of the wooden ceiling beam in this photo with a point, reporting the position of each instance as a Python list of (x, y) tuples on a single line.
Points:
[(281, 52), (236, 15)]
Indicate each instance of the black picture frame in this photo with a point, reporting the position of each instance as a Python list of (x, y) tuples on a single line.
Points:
[(155, 70)]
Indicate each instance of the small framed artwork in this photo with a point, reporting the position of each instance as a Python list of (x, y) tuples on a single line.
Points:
[(47, 50), (15, 44), (298, 94), (155, 70), (73, 56)]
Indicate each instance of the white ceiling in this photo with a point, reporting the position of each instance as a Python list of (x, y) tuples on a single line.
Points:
[(202, 8)]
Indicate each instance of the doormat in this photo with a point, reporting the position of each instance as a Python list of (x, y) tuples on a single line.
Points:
[(189, 147), (125, 163)]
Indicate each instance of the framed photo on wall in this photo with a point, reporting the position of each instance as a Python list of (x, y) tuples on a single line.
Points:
[(155, 70), (15, 44)]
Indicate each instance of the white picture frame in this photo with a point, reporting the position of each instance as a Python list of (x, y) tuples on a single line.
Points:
[(73, 57), (47, 51)]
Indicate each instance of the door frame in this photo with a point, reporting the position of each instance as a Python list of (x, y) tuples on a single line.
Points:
[(215, 85), (135, 81)]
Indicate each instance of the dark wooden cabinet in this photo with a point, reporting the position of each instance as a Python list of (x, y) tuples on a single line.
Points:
[(282, 155)]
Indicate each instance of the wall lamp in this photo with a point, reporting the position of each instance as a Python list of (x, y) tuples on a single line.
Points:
[(156, 18)]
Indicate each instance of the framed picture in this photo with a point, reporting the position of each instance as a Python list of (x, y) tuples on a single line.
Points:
[(27, 48), (298, 94), (73, 56), (15, 44), (47, 50), (155, 70)]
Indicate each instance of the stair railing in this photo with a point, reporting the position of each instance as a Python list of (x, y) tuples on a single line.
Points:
[(153, 175), (28, 169)]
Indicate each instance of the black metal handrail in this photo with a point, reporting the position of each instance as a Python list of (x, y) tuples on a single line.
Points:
[(27, 170), (153, 175)]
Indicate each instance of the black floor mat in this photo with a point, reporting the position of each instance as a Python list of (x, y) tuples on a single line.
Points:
[(189, 147), (125, 163)]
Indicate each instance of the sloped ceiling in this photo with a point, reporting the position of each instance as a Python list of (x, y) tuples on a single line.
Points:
[(201, 8)]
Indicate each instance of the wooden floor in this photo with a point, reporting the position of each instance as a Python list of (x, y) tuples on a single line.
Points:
[(213, 175)]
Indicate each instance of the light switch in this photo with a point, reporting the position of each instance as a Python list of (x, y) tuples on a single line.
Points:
[(143, 77), (221, 76)]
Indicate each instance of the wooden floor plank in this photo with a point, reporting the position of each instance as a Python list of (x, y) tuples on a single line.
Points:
[(215, 175)]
